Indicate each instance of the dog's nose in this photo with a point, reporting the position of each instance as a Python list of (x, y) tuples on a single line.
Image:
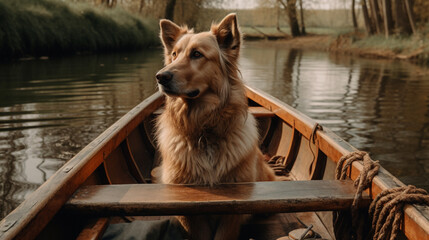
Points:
[(164, 77)]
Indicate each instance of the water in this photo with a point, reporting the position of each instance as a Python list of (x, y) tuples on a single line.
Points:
[(50, 109)]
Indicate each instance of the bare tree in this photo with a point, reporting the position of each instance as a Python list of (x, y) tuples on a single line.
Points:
[(355, 23), (290, 8), (169, 9), (401, 21), (301, 10), (388, 22), (278, 15), (376, 17), (368, 25), (410, 15)]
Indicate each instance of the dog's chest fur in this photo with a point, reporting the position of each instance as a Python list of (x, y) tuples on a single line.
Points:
[(206, 155)]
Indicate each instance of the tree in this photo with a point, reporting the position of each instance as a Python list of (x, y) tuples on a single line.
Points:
[(388, 22), (395, 16), (301, 12), (376, 17), (290, 8), (410, 15), (169, 9), (355, 24), (401, 21), (368, 25)]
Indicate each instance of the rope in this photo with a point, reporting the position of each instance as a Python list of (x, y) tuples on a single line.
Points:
[(312, 138), (387, 212), (364, 180), (277, 164)]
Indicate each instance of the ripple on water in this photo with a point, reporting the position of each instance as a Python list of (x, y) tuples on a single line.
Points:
[(49, 110)]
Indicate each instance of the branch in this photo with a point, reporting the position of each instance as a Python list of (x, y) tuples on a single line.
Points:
[(284, 5)]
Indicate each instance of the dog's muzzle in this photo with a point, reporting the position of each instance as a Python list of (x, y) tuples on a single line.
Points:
[(164, 78)]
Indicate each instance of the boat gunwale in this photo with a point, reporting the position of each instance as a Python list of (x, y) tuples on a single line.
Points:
[(416, 218), (42, 204)]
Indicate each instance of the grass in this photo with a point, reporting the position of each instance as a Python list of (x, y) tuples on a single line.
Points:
[(52, 27), (345, 40), (272, 31), (414, 47), (396, 44)]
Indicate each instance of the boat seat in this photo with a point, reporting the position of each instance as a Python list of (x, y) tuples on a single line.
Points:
[(233, 198), (256, 111)]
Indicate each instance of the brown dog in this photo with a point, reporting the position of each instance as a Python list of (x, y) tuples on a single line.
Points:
[(206, 134)]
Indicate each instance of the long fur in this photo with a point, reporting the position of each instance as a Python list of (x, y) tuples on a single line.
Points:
[(210, 138)]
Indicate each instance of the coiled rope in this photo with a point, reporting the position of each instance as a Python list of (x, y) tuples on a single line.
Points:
[(386, 210), (364, 180)]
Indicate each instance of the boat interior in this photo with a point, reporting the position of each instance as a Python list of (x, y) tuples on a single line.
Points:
[(109, 183)]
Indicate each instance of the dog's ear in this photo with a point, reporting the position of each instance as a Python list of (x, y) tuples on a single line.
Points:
[(228, 35), (170, 33)]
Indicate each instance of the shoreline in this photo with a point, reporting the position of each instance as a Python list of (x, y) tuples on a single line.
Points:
[(44, 29), (354, 44)]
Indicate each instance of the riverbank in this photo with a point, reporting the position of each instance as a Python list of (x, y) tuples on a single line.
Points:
[(40, 28), (414, 48)]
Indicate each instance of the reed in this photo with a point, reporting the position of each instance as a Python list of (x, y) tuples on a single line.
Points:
[(52, 27), (396, 44)]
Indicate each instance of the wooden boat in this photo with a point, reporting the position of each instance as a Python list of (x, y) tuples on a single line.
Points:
[(110, 176)]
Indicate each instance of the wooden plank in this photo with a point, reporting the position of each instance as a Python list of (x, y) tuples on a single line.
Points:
[(301, 168), (94, 230), (261, 112), (117, 168), (416, 220), (29, 218), (236, 198), (287, 113)]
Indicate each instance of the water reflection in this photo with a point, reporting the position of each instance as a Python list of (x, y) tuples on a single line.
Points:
[(49, 110), (379, 106)]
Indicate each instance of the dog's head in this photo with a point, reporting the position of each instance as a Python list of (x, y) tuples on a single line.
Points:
[(198, 64)]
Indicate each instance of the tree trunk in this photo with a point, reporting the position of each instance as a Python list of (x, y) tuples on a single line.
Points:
[(387, 12), (375, 10), (169, 9), (141, 6), (355, 24), (368, 25), (402, 24), (301, 10), (293, 21), (278, 16), (410, 15)]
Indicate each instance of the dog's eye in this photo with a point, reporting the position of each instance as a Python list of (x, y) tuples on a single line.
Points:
[(173, 54), (195, 54)]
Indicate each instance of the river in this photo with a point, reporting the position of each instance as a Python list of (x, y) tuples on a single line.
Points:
[(50, 109)]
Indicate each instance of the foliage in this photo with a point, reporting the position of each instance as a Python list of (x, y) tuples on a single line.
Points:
[(52, 27)]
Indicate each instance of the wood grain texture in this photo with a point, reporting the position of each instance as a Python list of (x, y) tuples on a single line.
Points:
[(261, 112), (416, 219), (169, 199), (29, 218), (94, 230)]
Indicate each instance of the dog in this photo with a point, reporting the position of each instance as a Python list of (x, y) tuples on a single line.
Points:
[(206, 135)]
